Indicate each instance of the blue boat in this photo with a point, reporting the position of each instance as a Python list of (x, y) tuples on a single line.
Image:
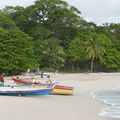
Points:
[(24, 90)]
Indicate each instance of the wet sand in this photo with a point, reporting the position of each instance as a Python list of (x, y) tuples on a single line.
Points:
[(79, 106)]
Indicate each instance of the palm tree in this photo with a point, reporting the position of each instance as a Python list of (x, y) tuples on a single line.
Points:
[(54, 52), (95, 49)]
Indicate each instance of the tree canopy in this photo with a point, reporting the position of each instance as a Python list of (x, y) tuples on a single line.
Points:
[(52, 34)]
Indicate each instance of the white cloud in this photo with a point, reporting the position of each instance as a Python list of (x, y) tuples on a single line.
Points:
[(98, 11)]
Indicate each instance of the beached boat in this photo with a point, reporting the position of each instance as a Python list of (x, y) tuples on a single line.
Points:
[(24, 90), (30, 82), (56, 89), (62, 90), (22, 81)]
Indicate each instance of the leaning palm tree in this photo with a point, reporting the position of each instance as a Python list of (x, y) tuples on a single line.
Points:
[(95, 48)]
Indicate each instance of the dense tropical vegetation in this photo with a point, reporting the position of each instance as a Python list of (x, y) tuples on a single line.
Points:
[(51, 34)]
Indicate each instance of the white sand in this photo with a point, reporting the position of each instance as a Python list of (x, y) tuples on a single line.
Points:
[(80, 106)]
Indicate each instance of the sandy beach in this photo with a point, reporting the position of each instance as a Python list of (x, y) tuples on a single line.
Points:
[(79, 106)]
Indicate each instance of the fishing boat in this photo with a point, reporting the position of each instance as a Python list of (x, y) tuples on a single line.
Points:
[(24, 90), (62, 90)]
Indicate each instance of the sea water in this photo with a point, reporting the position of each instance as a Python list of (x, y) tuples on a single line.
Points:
[(110, 97), (110, 112)]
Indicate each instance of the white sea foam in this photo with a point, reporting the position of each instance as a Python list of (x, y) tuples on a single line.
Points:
[(112, 102), (110, 112), (111, 97), (106, 95), (109, 115)]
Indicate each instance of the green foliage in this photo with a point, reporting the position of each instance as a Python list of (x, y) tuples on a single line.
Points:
[(51, 34), (6, 22), (95, 47), (16, 51), (48, 18), (50, 53), (112, 56), (77, 49)]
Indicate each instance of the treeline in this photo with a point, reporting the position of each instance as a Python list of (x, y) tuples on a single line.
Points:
[(51, 34)]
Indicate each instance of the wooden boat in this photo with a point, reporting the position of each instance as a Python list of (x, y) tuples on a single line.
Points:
[(22, 81), (24, 90), (56, 89), (62, 90), (30, 82)]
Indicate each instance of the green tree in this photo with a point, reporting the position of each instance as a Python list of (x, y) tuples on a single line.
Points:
[(95, 48), (6, 22), (50, 54), (76, 50), (46, 19), (112, 56), (16, 51)]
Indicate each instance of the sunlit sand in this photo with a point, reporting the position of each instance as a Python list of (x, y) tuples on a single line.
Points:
[(79, 106)]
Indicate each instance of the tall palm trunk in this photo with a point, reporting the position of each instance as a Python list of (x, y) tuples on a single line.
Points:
[(78, 68), (92, 64), (73, 68)]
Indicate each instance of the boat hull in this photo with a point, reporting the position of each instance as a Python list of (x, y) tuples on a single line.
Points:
[(25, 82), (24, 91), (21, 81), (63, 87), (62, 90)]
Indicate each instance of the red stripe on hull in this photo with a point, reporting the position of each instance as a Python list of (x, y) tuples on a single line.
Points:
[(24, 82), (63, 87)]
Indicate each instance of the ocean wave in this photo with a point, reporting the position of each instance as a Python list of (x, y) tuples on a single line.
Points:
[(111, 97), (106, 95), (113, 112), (112, 102)]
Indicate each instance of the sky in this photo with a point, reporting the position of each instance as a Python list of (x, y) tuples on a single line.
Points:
[(97, 11)]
